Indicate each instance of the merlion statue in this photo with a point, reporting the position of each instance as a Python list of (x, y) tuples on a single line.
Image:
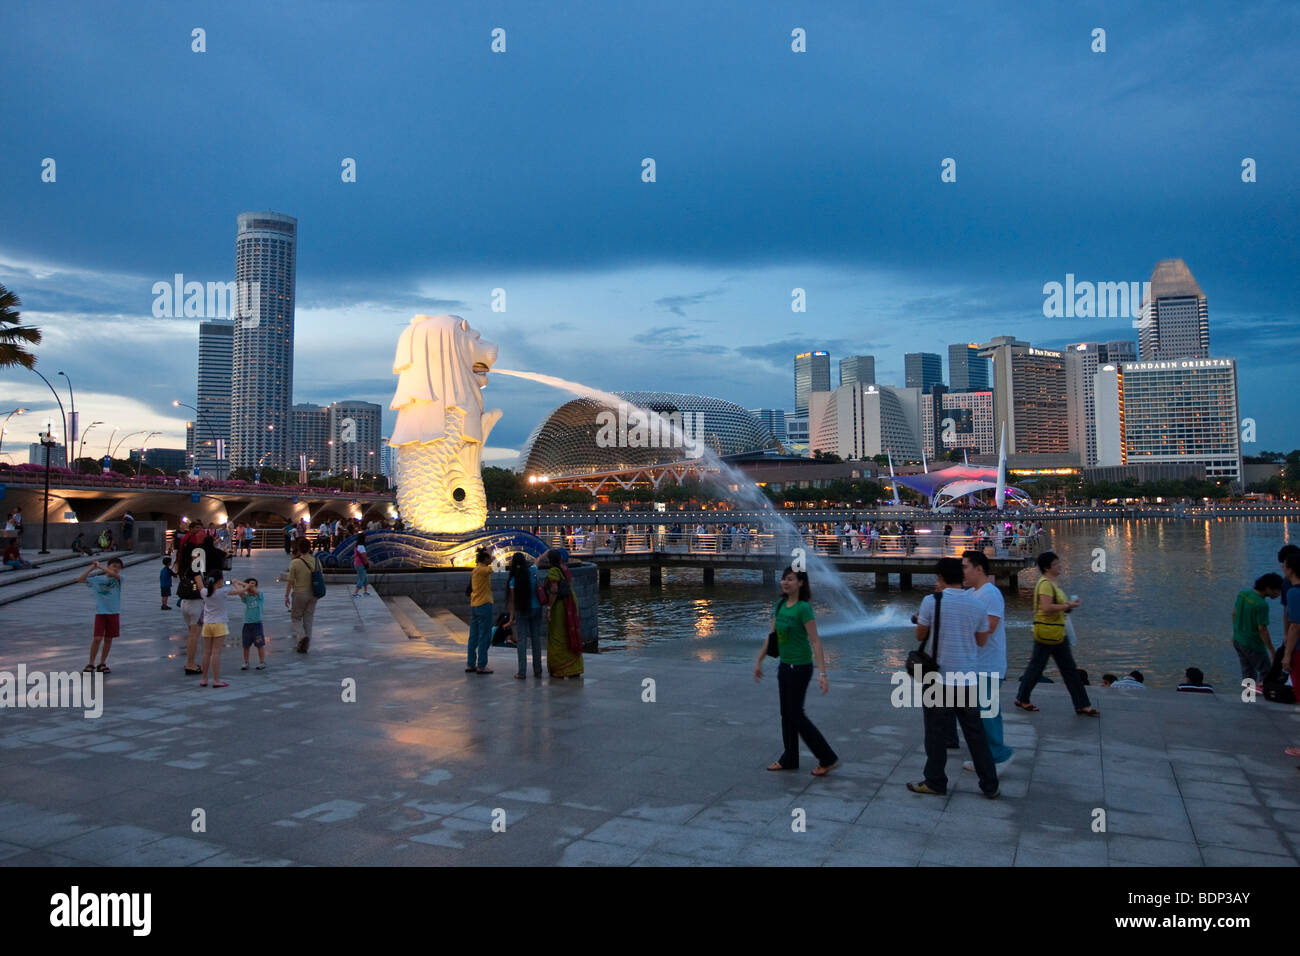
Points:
[(441, 365)]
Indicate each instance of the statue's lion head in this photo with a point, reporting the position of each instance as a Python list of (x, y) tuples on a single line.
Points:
[(441, 363)]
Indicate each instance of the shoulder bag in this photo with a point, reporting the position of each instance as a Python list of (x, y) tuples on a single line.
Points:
[(773, 642), (919, 659)]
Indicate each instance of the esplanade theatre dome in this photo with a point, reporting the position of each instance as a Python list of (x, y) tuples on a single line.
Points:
[(574, 439)]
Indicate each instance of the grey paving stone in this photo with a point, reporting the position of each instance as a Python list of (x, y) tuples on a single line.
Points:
[(1122, 849), (587, 773)]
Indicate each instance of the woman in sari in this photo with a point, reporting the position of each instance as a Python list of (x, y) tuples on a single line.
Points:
[(563, 635)]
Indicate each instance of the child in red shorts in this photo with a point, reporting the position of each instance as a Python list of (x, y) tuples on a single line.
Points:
[(107, 588)]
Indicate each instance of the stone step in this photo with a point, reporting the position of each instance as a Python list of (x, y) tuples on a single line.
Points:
[(45, 579), (442, 626)]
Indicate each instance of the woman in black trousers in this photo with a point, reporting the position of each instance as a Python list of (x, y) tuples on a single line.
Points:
[(797, 640)]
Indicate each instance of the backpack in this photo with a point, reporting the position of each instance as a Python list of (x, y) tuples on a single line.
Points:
[(317, 577)]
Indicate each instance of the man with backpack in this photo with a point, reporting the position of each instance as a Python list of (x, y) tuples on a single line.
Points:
[(304, 587)]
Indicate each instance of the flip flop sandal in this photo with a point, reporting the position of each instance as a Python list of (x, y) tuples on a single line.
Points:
[(1293, 751), (777, 766), (820, 771), (1024, 705), (222, 684), (193, 671), (88, 669), (1089, 712), (104, 669)]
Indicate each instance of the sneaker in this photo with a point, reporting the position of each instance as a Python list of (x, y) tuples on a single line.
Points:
[(260, 667), (924, 787), (1007, 762), (992, 796), (244, 666)]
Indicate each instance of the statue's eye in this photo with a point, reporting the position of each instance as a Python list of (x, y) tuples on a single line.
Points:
[(458, 494)]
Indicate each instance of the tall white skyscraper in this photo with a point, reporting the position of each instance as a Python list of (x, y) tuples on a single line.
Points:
[(1082, 362), (1175, 320), (216, 338), (266, 257)]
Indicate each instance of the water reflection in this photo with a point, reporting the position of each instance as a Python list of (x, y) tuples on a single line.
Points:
[(1162, 604)]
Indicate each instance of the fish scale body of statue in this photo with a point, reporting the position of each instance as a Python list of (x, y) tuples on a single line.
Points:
[(442, 365)]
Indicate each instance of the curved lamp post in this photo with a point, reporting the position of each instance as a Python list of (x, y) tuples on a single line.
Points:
[(143, 447), (82, 444), (72, 412), (176, 403), (62, 414)]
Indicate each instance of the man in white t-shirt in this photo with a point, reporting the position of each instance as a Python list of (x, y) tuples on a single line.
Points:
[(963, 631), (993, 655)]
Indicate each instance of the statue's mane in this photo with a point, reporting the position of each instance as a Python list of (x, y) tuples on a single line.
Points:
[(435, 373)]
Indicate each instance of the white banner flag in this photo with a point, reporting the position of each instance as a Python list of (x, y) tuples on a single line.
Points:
[(221, 449)]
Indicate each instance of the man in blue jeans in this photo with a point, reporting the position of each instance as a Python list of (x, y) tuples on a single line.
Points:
[(480, 614), (992, 657)]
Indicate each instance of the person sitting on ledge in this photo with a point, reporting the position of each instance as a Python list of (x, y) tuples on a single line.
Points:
[(79, 544), (13, 557), (1195, 682)]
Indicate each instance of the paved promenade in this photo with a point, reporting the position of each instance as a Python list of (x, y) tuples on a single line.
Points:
[(417, 769)]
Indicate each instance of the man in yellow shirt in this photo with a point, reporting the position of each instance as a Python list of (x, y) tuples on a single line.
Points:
[(480, 614)]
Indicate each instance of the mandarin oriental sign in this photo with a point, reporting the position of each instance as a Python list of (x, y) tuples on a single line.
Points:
[(1180, 363)]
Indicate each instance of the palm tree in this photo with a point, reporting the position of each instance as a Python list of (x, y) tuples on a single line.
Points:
[(12, 335)]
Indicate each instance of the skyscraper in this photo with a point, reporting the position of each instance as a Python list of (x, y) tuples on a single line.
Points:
[(1175, 320), (965, 422), (261, 392), (924, 370), (311, 433), (862, 421), (967, 371), (216, 339), (1029, 396), (1082, 362), (858, 370), (354, 427), (1177, 411), (773, 419), (812, 373)]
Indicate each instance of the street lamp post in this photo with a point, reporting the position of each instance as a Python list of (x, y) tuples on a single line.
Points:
[(143, 448), (72, 414), (47, 440), (118, 447), (5, 427), (62, 414), (82, 444), (216, 448)]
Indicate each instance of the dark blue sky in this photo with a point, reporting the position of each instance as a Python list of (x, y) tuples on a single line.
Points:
[(522, 171)]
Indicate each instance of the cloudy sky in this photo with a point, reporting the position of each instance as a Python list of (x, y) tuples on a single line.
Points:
[(522, 170)]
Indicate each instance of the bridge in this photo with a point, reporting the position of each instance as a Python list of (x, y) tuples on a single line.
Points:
[(902, 555), (103, 498)]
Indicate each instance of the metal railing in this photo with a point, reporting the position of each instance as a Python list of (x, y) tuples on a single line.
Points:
[(613, 543)]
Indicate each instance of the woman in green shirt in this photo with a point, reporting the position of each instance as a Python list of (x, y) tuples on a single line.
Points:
[(1050, 607), (797, 640)]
